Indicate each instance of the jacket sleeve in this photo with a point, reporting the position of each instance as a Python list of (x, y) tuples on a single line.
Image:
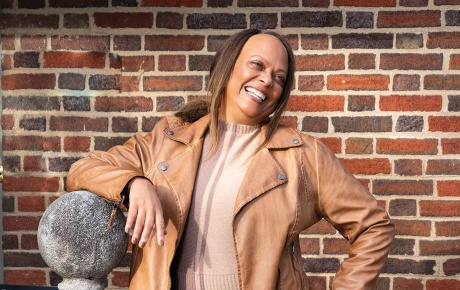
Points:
[(107, 173), (355, 213)]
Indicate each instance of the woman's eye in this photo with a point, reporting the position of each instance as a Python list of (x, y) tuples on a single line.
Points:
[(280, 79), (257, 64)]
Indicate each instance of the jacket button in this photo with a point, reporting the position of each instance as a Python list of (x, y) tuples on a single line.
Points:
[(164, 167), (281, 176), (170, 133), (296, 141)]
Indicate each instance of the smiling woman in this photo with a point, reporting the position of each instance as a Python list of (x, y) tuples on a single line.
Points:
[(219, 193)]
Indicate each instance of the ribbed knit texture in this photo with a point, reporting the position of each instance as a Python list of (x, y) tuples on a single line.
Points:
[(206, 258)]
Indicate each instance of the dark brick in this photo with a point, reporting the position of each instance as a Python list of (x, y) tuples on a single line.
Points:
[(80, 42), (31, 103), (174, 42), (104, 143), (410, 61), (123, 104), (315, 124), (451, 267), (172, 3), (23, 259), (123, 19), (76, 103), (216, 21), (362, 124), (200, 62), (11, 163), (409, 41), (172, 83), (124, 3), (74, 123), (402, 187), (409, 266), (73, 20), (61, 164), (406, 82), (360, 20), (361, 61), (78, 3), (27, 59), (311, 19), (124, 124), (443, 167), (413, 3), (33, 124), (442, 82), (446, 40), (316, 3), (263, 20), (170, 20), (215, 42), (127, 42), (71, 81), (321, 265), (402, 247), (8, 203), (437, 248), (361, 40), (55, 279), (409, 124), (452, 18), (311, 83), (268, 3), (454, 103), (361, 103), (148, 123), (403, 207), (409, 19), (10, 242), (33, 42), (50, 21), (104, 82), (220, 3), (165, 104), (314, 41), (408, 167)]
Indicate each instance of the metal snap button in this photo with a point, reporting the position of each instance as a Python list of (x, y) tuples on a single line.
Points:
[(281, 176), (164, 167), (296, 141)]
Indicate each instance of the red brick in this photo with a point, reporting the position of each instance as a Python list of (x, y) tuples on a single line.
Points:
[(171, 63), (403, 207), (10, 242), (172, 83), (31, 203), (29, 21), (443, 40), (174, 42), (448, 187), (443, 167), (8, 42), (123, 104), (127, 42), (311, 83), (413, 3), (328, 62), (74, 59), (334, 144), (454, 61), (409, 284), (444, 123), (33, 42), (432, 248), (412, 227), (268, 3), (450, 146), (172, 3), (77, 144), (410, 61), (358, 82), (362, 124), (129, 84), (407, 146), (445, 208), (171, 103), (29, 81), (29, 242), (408, 19), (81, 42), (75, 123), (445, 2), (34, 163), (361, 61), (309, 246), (336, 246), (361, 103), (451, 267), (7, 122), (402, 187), (314, 41), (124, 124), (402, 82), (442, 82), (78, 3), (365, 3), (447, 229), (120, 279), (316, 103), (137, 63), (20, 223), (33, 184), (35, 143), (25, 277), (442, 284), (123, 20), (367, 166), (170, 20), (411, 103), (359, 146), (408, 167), (7, 62)]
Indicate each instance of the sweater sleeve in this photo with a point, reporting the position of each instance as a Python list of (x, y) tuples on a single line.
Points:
[(355, 213)]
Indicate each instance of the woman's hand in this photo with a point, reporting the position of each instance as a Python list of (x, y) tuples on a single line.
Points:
[(145, 212)]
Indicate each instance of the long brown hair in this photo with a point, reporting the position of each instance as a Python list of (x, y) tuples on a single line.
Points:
[(219, 74)]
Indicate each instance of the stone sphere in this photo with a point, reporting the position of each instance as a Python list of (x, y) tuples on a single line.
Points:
[(75, 240)]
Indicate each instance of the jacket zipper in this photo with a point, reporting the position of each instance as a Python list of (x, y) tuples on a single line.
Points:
[(297, 275), (113, 214)]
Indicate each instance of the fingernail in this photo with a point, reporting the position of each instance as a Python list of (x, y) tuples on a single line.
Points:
[(161, 242), (141, 245)]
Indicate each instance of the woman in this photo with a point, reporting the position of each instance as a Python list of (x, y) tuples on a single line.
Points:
[(217, 201)]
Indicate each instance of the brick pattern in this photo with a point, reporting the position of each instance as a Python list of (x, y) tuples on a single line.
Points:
[(377, 82)]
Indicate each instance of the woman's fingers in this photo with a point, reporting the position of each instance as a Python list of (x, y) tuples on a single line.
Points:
[(160, 226)]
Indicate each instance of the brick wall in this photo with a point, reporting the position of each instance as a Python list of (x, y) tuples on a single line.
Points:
[(378, 81)]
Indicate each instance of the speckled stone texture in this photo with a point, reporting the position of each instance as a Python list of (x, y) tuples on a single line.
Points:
[(75, 241)]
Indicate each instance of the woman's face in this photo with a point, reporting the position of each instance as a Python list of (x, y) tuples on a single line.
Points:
[(256, 82)]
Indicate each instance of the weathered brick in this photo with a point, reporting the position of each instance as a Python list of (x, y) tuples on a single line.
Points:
[(439, 208), (10, 242), (410, 61), (7, 4), (408, 167), (360, 20), (309, 246), (409, 41), (72, 103), (452, 17), (28, 59), (120, 279), (7, 62), (362, 124), (170, 20), (445, 2), (336, 246), (23, 259), (358, 82), (23, 81), (71, 81), (29, 242), (403, 207), (124, 3), (364, 3), (174, 42), (30, 21), (129, 84), (448, 188), (104, 143), (316, 3), (104, 82), (216, 21), (451, 267), (406, 82), (316, 103), (413, 3), (220, 3), (76, 20), (263, 20), (454, 61), (33, 42), (367, 166), (450, 146), (334, 144), (172, 103), (80, 42), (289, 121), (361, 61), (443, 167), (267, 3), (31, 103), (78, 3), (33, 123), (74, 59), (314, 41), (76, 123), (311, 83), (409, 124), (127, 42), (315, 124), (435, 248), (405, 283), (408, 19), (171, 63), (61, 164), (123, 19), (412, 227), (311, 19), (31, 203), (32, 184), (362, 40), (124, 124), (411, 103), (402, 187), (402, 247), (8, 42), (200, 62), (444, 40), (34, 163), (7, 122), (138, 63), (442, 284), (11, 164), (409, 266), (172, 83), (444, 123), (359, 146), (33, 143), (77, 144), (447, 229), (148, 123), (123, 104), (27, 277), (361, 103), (321, 265), (328, 62), (442, 82), (172, 3)]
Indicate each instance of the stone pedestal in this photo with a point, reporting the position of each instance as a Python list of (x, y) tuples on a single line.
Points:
[(75, 240)]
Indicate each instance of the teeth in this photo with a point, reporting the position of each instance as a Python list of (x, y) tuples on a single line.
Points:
[(255, 93)]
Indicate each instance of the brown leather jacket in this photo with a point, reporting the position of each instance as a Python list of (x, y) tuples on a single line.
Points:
[(291, 184)]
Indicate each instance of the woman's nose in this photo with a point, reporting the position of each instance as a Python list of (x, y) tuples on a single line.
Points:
[(266, 78)]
